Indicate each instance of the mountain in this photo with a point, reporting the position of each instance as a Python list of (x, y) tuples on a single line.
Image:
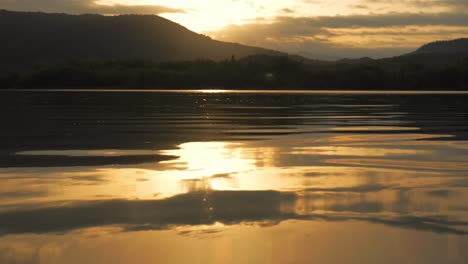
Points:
[(67, 51), (437, 54), (444, 47), (37, 38)]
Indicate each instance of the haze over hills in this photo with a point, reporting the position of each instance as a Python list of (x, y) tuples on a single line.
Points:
[(35, 38)]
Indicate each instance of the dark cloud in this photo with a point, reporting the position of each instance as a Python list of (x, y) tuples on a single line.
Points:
[(82, 7), (299, 24), (87, 180), (455, 3), (287, 10), (441, 193), (138, 9), (258, 33), (23, 194), (452, 4), (311, 36), (315, 26), (360, 6)]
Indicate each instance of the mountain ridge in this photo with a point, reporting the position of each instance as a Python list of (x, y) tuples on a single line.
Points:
[(36, 38), (144, 51), (444, 46)]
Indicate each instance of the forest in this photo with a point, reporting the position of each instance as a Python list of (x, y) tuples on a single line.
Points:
[(253, 72)]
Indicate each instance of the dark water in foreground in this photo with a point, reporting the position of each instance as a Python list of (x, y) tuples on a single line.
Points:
[(114, 177)]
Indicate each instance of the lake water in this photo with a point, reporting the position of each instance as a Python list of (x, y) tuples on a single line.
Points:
[(230, 177)]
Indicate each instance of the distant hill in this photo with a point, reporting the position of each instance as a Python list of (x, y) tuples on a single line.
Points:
[(149, 52), (438, 54), (36, 38), (448, 46)]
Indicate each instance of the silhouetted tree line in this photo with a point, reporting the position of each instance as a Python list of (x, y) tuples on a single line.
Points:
[(254, 72)]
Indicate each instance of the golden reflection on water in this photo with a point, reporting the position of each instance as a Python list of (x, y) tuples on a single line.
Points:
[(215, 91), (223, 177), (207, 159), (356, 151), (290, 242), (235, 202), (333, 175)]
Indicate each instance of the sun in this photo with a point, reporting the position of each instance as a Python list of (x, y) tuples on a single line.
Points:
[(210, 15)]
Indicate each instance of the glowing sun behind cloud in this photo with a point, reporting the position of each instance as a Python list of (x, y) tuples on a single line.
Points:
[(318, 29), (208, 15)]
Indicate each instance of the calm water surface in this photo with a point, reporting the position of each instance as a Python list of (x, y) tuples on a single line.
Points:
[(194, 177)]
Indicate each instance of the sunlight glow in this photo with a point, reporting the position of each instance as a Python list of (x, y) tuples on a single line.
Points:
[(206, 159), (213, 15), (270, 24), (212, 91), (310, 168), (208, 15)]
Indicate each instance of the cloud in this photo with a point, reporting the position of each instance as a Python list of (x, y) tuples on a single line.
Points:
[(421, 3), (455, 3), (375, 35), (298, 26), (23, 194), (440, 193), (137, 9), (84, 6), (287, 10)]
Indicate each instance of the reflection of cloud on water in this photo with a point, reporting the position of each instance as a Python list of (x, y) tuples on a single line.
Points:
[(208, 208), (329, 178), (77, 158)]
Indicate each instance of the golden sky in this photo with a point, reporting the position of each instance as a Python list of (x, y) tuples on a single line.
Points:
[(315, 28)]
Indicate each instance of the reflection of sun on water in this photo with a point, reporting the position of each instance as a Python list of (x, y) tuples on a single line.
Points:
[(201, 166), (212, 91), (210, 166), (343, 174), (317, 168), (208, 159), (217, 166)]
